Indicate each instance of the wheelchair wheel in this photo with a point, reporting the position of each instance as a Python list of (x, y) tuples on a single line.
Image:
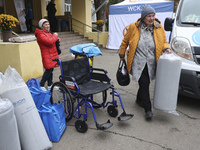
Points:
[(98, 98), (81, 126), (61, 94), (112, 111)]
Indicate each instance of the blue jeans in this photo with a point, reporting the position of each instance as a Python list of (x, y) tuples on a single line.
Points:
[(47, 76)]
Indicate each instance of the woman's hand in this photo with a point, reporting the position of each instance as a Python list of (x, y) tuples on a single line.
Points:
[(59, 40), (122, 58), (168, 51), (56, 34)]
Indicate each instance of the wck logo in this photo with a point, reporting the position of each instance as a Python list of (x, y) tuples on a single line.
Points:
[(19, 102)]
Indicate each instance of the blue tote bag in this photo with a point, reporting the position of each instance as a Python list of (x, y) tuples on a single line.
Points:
[(53, 118), (52, 115)]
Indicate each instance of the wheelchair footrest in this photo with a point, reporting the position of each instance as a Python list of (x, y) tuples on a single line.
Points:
[(104, 126), (124, 116)]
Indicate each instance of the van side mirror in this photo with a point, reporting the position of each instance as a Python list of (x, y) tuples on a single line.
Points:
[(168, 24)]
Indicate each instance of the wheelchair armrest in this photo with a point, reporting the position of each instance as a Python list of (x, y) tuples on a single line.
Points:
[(98, 69), (100, 76)]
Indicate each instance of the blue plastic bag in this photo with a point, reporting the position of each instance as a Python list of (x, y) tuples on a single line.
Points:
[(32, 82), (53, 118), (89, 48), (40, 98)]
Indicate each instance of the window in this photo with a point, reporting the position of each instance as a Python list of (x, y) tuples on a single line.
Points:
[(190, 12), (67, 5)]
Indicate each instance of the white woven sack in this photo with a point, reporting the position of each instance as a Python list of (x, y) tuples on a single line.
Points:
[(9, 136), (167, 83), (32, 133)]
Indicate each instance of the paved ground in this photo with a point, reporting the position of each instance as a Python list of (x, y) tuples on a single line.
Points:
[(164, 132)]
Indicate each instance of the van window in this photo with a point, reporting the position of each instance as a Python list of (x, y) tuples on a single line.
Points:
[(190, 12)]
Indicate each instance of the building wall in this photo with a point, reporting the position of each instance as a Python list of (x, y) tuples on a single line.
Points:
[(10, 10), (103, 37), (81, 12), (43, 8), (88, 12), (24, 57), (59, 7)]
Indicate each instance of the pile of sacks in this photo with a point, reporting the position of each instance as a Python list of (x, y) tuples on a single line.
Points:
[(20, 123)]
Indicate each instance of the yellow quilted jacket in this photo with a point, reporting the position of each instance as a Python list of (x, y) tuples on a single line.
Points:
[(132, 37)]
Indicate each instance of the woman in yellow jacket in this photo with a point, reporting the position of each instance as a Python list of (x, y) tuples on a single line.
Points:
[(146, 40)]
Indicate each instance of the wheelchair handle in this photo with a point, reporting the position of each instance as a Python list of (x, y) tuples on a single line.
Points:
[(57, 60)]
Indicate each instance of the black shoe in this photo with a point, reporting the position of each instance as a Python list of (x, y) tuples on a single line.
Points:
[(139, 103), (148, 115)]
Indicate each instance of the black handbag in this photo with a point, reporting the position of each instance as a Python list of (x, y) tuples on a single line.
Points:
[(122, 74), (58, 47)]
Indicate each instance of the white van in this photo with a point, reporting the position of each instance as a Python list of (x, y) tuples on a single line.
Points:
[(185, 42)]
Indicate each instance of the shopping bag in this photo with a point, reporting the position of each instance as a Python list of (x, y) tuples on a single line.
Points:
[(122, 74), (53, 118)]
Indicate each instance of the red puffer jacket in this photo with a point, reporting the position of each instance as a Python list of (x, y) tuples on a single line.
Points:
[(48, 49)]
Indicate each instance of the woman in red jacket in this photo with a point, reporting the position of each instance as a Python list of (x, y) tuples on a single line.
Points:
[(46, 40)]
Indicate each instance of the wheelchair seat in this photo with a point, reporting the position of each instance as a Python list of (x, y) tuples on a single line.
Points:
[(93, 87)]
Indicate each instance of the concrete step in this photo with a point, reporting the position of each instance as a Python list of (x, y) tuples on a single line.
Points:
[(67, 47), (68, 39)]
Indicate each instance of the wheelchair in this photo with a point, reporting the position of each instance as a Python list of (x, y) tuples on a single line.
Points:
[(78, 84)]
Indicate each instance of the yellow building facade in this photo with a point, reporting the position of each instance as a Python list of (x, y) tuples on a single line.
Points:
[(26, 57)]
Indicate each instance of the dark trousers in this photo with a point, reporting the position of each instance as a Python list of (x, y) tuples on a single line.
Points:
[(47, 76), (29, 25), (53, 23), (143, 92)]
